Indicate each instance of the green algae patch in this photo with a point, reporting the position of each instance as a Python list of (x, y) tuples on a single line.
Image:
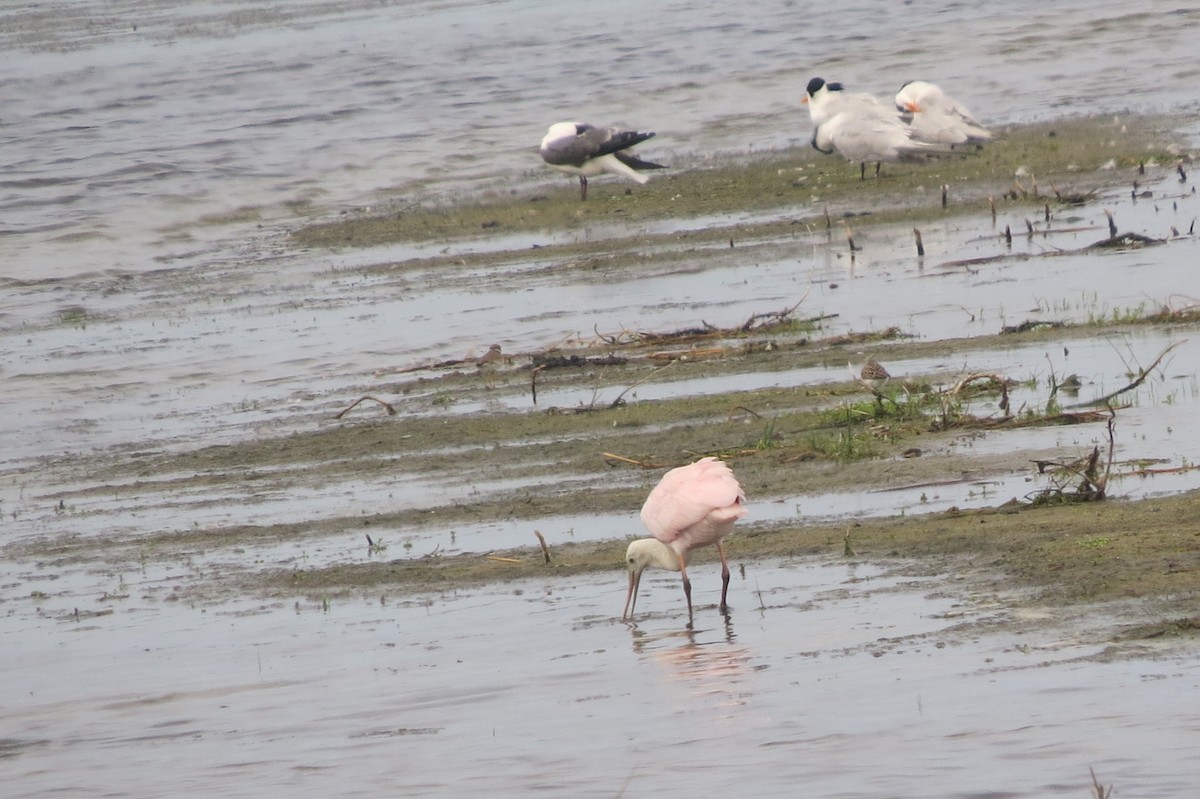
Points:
[(1030, 164)]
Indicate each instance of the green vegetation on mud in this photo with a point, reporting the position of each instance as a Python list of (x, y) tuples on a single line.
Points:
[(589, 457), (1067, 154)]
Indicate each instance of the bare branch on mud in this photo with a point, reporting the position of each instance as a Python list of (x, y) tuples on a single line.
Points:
[(886, 334), (545, 549), (708, 331), (1030, 324), (776, 317), (1093, 480), (1073, 198), (556, 361), (387, 405), (621, 397), (993, 379), (1137, 381), (747, 410), (608, 457), (533, 382)]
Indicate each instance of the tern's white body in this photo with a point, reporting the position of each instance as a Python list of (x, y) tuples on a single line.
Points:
[(937, 117), (861, 128)]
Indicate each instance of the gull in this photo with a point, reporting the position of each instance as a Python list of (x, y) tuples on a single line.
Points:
[(860, 128), (937, 117), (692, 506), (578, 148)]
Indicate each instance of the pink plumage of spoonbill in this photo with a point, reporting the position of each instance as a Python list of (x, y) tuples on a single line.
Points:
[(692, 506)]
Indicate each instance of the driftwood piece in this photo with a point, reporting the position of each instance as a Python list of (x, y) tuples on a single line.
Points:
[(1029, 324), (992, 378), (621, 397), (555, 361), (776, 317), (1137, 381), (387, 405), (545, 549)]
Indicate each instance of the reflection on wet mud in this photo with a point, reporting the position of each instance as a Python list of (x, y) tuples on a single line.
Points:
[(708, 662)]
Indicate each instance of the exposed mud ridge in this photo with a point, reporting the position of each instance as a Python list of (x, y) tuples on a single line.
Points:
[(601, 455)]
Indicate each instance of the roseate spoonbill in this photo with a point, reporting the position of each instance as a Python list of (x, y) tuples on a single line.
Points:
[(860, 128), (585, 150), (692, 506), (937, 117)]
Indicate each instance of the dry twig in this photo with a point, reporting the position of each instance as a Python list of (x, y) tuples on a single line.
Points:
[(1137, 381), (545, 549)]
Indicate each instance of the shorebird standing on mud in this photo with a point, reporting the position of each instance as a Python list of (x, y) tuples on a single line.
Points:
[(578, 148)]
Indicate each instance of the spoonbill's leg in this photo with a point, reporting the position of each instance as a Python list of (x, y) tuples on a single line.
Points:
[(687, 584), (724, 576)]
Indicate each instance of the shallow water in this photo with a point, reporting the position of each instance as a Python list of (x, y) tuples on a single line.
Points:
[(847, 678), (152, 155), (137, 135)]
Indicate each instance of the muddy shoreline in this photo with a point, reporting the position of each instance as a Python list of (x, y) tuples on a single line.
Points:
[(600, 457)]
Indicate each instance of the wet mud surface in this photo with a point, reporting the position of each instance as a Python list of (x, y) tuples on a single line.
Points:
[(570, 436), (279, 585)]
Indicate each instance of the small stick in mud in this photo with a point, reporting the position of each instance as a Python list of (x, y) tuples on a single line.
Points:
[(545, 549), (945, 191), (621, 397), (374, 547), (1047, 213), (828, 223), (920, 245), (1028, 227), (533, 382), (1100, 791), (750, 411), (850, 239), (1008, 235), (390, 410), (642, 464), (1112, 225), (992, 205), (1182, 174), (1141, 171)]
